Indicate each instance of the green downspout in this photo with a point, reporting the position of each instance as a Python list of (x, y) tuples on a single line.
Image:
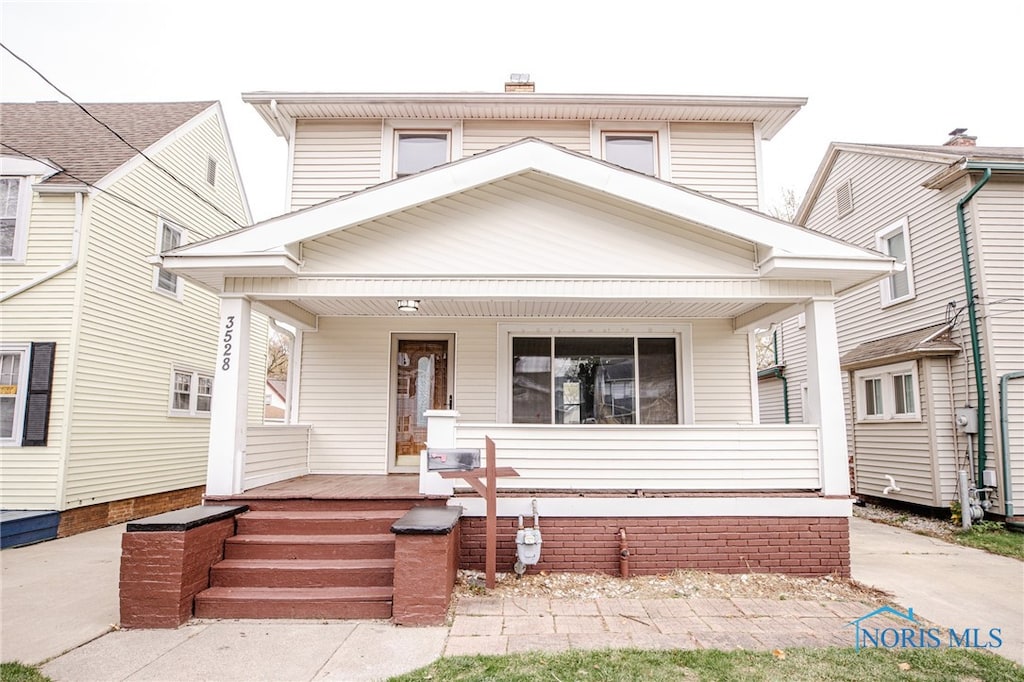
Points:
[(972, 316), (1004, 418)]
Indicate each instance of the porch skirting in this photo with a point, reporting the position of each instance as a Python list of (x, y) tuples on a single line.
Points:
[(803, 546)]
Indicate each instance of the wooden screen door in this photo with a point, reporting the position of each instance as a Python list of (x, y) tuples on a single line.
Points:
[(422, 369)]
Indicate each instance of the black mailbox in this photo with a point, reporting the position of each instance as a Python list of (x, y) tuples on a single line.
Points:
[(452, 459)]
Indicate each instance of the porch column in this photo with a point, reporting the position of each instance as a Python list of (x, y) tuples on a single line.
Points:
[(229, 405), (825, 395)]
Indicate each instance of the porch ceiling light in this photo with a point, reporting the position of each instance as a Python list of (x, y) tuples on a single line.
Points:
[(408, 305)]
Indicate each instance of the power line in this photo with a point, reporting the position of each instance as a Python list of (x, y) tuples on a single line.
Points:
[(114, 195), (118, 135)]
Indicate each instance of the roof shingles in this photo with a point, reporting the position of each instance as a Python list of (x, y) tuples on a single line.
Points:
[(66, 136)]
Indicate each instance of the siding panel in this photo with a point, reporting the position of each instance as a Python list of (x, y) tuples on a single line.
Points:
[(717, 159), (333, 158), (480, 136)]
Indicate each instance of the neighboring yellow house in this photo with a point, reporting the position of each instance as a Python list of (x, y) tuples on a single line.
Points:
[(106, 360)]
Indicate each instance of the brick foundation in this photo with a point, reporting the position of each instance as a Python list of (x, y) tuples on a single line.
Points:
[(805, 546), (162, 572), (82, 519), (425, 571)]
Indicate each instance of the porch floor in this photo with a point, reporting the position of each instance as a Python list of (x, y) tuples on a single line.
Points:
[(334, 487)]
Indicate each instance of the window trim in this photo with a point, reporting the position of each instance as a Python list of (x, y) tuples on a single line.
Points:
[(683, 333), (885, 286), (193, 393), (663, 161), (179, 292), (390, 129), (885, 374), (18, 426), (21, 219)]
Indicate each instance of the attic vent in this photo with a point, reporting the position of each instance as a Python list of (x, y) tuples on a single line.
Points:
[(211, 170), (844, 199)]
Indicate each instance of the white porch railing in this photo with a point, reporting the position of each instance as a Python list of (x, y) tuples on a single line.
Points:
[(680, 458), (275, 452)]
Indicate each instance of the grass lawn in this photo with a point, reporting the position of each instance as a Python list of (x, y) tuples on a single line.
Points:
[(19, 672), (993, 537), (877, 665)]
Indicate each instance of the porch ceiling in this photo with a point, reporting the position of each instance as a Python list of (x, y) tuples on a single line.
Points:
[(439, 307)]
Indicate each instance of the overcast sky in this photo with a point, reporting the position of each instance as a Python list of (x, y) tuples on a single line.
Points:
[(897, 71)]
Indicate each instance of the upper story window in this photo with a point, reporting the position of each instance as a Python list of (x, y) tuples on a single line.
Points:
[(169, 236), (14, 203), (894, 240), (417, 151), (13, 373), (887, 393), (636, 151)]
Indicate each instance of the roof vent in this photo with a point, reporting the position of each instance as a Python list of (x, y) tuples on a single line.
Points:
[(519, 82), (844, 199), (958, 139), (211, 170)]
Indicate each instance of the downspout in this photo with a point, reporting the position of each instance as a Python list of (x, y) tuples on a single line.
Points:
[(60, 270), (972, 316), (777, 373), (1004, 418)]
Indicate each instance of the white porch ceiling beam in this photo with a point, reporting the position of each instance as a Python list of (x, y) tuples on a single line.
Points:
[(763, 315), (287, 312)]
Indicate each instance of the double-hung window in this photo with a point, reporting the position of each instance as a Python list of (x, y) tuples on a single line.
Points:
[(595, 380), (13, 377), (894, 241), (887, 393), (15, 194), (191, 393), (169, 236)]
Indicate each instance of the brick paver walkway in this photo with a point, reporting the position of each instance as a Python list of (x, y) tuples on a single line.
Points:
[(499, 625)]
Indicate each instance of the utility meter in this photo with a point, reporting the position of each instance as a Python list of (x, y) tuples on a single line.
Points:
[(966, 419), (528, 545)]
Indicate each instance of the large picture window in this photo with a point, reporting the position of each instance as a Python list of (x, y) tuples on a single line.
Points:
[(595, 380)]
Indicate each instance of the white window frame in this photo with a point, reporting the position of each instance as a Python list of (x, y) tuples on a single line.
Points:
[(193, 393), (389, 140), (17, 428), (885, 374), (885, 286), (21, 219), (683, 333), (663, 162), (179, 288)]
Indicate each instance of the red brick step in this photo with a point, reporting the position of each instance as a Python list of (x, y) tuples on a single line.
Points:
[(374, 546), (317, 522), (306, 573), (280, 602)]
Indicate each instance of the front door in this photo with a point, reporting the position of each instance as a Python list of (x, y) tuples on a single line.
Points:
[(422, 380)]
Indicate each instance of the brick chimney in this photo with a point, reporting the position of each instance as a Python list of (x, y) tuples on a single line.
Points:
[(958, 139), (519, 82)]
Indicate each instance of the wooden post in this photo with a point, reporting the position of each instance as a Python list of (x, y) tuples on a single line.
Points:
[(487, 489)]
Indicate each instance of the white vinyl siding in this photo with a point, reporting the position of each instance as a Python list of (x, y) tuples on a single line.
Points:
[(480, 136), (130, 341), (333, 158), (719, 159), (721, 374), (275, 453), (29, 476), (599, 237), (771, 401)]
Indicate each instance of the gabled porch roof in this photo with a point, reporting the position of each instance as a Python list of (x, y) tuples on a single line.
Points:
[(785, 263)]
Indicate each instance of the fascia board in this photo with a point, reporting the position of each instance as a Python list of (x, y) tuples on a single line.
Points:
[(252, 264), (21, 166), (526, 156)]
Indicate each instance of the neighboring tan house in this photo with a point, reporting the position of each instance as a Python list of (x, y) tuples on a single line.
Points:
[(578, 278), (914, 354), (275, 401), (107, 360)]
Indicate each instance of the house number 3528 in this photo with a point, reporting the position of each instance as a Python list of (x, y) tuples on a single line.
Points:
[(229, 333)]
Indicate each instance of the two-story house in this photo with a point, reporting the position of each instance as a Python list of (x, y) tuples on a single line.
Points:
[(932, 356), (107, 360), (576, 278)]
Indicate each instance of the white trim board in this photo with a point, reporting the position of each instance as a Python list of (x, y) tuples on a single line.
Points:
[(669, 507)]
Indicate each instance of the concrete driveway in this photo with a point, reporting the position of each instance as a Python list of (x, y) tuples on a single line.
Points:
[(950, 585)]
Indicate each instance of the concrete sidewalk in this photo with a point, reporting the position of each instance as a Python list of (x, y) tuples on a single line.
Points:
[(948, 584)]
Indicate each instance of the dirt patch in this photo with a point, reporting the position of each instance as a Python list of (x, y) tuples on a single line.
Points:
[(923, 525)]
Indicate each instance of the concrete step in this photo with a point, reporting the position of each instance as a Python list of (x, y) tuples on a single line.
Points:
[(303, 573), (258, 504), (374, 546), (358, 522), (266, 602)]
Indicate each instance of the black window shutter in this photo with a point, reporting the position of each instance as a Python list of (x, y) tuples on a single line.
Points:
[(37, 401)]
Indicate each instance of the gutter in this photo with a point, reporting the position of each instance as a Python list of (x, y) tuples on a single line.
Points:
[(75, 253), (972, 316)]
